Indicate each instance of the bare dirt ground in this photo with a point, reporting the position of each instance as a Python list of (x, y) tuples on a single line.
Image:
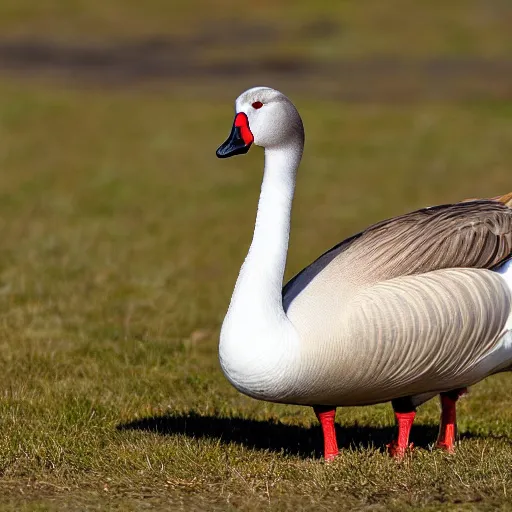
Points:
[(243, 55)]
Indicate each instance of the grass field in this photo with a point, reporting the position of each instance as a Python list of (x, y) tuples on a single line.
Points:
[(122, 236)]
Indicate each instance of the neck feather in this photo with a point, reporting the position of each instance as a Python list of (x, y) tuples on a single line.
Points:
[(256, 333), (259, 284)]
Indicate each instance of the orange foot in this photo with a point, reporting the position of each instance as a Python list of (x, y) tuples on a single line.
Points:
[(446, 446), (329, 457), (398, 451)]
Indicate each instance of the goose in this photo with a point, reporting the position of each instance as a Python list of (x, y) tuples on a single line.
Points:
[(412, 307)]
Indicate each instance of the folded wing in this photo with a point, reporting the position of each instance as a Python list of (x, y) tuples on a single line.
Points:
[(472, 234)]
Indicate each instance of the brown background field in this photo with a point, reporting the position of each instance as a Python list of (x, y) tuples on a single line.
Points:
[(122, 235)]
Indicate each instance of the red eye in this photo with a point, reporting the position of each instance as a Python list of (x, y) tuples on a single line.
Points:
[(257, 104)]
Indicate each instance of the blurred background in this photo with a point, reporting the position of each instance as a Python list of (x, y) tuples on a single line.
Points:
[(121, 232), (110, 113)]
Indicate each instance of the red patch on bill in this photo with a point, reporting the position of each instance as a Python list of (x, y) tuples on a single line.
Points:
[(242, 122)]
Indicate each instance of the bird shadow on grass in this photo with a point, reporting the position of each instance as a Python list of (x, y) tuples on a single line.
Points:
[(277, 437)]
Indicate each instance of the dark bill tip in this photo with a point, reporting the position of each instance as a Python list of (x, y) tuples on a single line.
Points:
[(235, 143)]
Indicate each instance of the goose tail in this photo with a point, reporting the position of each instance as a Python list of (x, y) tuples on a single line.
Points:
[(505, 199)]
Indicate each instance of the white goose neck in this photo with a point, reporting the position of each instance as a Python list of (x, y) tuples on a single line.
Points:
[(259, 284), (256, 334)]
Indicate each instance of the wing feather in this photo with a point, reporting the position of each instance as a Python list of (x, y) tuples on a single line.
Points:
[(405, 336), (470, 234)]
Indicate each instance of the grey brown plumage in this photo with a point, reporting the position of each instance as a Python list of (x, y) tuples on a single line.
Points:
[(506, 199), (472, 234), (411, 299)]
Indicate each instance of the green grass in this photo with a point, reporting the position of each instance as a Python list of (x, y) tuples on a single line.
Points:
[(122, 236)]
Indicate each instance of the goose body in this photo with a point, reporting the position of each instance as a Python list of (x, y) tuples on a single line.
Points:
[(368, 325), (383, 315), (410, 307)]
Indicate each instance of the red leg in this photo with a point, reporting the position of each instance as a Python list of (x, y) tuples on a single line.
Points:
[(326, 416), (404, 421), (448, 426), (405, 412)]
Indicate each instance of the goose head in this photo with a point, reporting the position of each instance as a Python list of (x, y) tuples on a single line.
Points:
[(265, 117)]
